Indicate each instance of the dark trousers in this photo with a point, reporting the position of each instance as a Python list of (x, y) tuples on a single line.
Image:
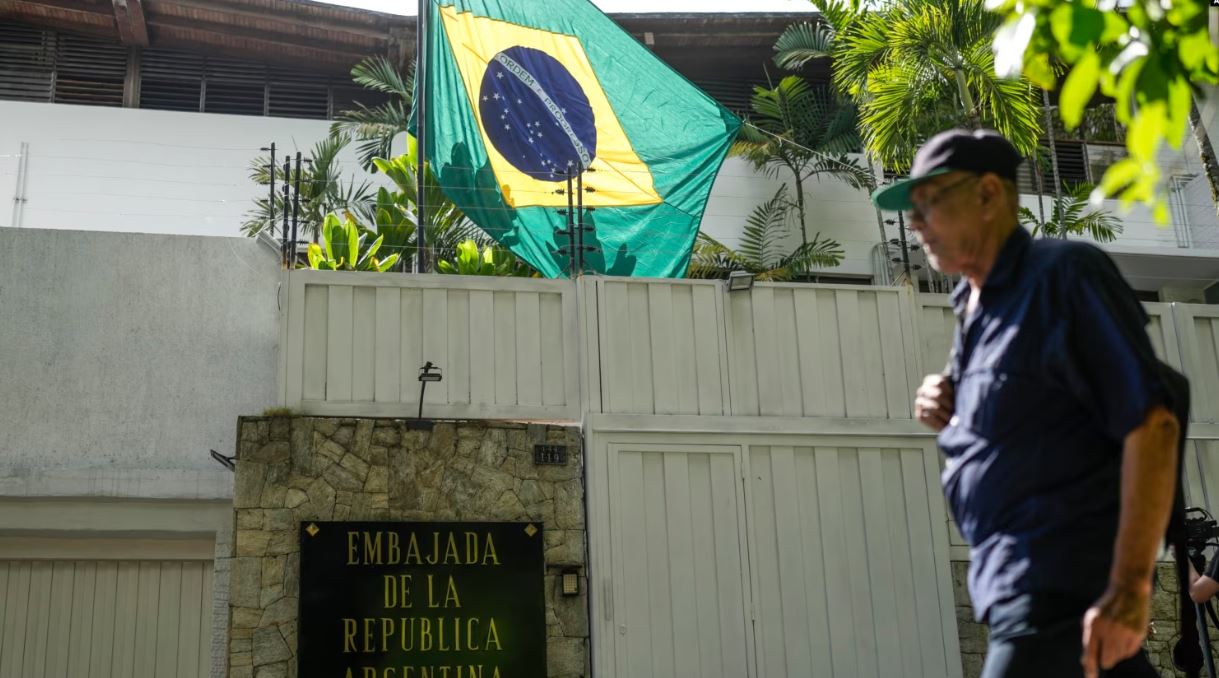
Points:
[(1040, 636)]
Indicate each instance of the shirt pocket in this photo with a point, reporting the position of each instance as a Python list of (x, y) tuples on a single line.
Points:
[(991, 402)]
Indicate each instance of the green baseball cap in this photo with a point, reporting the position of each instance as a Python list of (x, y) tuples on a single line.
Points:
[(978, 151)]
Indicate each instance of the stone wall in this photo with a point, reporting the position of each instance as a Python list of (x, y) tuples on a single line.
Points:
[(292, 469), (1160, 639)]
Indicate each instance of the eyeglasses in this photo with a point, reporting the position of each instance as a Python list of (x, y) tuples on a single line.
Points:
[(919, 212)]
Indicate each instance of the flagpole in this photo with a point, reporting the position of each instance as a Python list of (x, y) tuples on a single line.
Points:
[(421, 264)]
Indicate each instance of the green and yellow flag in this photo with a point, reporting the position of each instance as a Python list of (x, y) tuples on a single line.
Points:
[(522, 94)]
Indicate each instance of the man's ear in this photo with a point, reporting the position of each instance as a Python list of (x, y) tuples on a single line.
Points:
[(991, 195), (991, 189)]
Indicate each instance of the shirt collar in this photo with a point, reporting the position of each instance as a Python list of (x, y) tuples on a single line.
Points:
[(1006, 263)]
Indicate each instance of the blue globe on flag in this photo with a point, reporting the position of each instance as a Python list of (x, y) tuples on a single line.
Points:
[(536, 114)]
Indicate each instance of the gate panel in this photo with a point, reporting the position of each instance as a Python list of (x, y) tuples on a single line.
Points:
[(679, 597), (850, 560)]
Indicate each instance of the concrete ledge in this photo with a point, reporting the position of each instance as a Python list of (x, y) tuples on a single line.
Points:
[(104, 548), (84, 518), (122, 483)]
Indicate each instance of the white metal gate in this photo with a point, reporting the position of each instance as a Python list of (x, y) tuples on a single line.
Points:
[(778, 553), (105, 618), (679, 595)]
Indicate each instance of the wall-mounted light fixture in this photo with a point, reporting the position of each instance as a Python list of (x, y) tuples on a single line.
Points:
[(227, 462), (427, 373), (571, 582), (740, 281)]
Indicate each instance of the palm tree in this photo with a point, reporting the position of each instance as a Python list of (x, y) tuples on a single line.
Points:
[(763, 250), (801, 131), (1071, 214), (375, 128), (915, 68), (323, 190)]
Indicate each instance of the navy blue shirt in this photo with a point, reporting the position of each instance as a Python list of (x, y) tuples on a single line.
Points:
[(1052, 370)]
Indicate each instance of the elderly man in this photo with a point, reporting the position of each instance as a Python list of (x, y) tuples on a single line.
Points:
[(1061, 451)]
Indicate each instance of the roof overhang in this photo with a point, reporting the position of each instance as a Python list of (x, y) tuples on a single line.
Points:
[(333, 37)]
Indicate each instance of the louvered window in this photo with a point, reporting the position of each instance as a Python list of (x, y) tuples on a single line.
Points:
[(295, 95), (235, 87), (49, 66), (1072, 162), (89, 71), (38, 65), (27, 63), (171, 80), (1073, 167), (183, 81)]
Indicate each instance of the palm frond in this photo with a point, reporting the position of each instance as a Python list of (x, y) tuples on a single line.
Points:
[(839, 14), (1075, 214), (907, 105), (816, 253), (859, 49), (374, 129), (712, 259), (900, 64), (1027, 218), (802, 43), (765, 230), (801, 129), (846, 169), (379, 74)]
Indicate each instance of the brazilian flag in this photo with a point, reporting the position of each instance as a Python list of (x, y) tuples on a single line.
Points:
[(523, 93)]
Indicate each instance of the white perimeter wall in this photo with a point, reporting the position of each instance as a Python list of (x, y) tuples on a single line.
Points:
[(134, 170), (145, 171), (125, 357)]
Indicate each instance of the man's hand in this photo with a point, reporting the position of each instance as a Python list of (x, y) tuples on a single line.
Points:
[(1114, 628), (933, 403)]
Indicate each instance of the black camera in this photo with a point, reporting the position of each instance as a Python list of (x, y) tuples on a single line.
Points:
[(1201, 530)]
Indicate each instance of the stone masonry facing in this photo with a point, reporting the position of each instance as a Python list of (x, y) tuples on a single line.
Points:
[(292, 469)]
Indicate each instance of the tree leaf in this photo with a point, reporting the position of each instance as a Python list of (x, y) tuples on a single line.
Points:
[(1038, 70), (802, 43), (1160, 212), (1075, 27), (1194, 48), (1124, 90), (1117, 176), (353, 241), (1146, 131), (1178, 111), (315, 255), (1078, 89), (372, 248), (1115, 27)]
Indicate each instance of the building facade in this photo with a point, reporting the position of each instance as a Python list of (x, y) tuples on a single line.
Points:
[(146, 327), (158, 111)]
